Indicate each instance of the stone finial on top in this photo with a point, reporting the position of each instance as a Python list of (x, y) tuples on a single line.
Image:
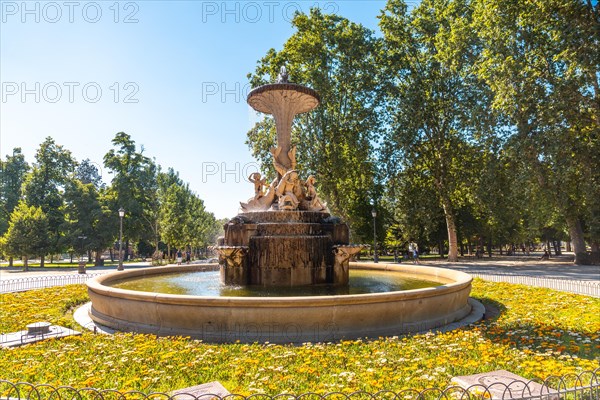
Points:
[(283, 75)]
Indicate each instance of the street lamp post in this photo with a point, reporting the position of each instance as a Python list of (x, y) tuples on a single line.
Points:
[(375, 257), (121, 215), (82, 249), (81, 267)]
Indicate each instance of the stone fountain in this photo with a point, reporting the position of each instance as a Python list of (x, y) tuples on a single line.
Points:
[(285, 235)]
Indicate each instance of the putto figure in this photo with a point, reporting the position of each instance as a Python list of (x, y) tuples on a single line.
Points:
[(258, 184), (314, 203), (289, 191)]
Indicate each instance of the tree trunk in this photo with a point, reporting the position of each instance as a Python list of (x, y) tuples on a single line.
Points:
[(576, 233), (98, 260), (42, 259), (595, 252), (26, 263), (10, 261), (441, 247), (556, 244), (569, 247), (452, 235), (489, 247), (112, 255)]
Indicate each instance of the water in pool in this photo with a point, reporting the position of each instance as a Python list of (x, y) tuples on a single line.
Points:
[(207, 283)]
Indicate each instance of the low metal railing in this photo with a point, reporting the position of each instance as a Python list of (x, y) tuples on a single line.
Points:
[(583, 386), (40, 282), (588, 288)]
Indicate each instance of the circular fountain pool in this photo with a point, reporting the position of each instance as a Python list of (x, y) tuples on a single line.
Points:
[(282, 319), (207, 283)]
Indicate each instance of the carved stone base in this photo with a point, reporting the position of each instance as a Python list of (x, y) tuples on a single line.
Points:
[(341, 266), (234, 268), (284, 248)]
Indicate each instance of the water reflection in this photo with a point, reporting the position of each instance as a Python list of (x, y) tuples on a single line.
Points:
[(208, 284)]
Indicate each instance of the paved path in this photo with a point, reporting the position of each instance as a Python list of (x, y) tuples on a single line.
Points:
[(557, 273), (557, 268)]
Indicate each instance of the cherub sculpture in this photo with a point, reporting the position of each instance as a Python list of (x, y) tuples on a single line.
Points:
[(289, 191), (314, 203), (258, 184)]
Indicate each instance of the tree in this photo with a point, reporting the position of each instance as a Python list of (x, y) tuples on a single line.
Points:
[(336, 141), (43, 187), (12, 175), (436, 103), (27, 233), (415, 211), (541, 59), (87, 214), (174, 216), (86, 172), (133, 187), (201, 224), (164, 181)]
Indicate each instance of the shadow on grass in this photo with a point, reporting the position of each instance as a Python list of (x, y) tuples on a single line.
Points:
[(540, 338)]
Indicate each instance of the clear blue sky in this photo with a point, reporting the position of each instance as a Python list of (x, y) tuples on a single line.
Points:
[(172, 74)]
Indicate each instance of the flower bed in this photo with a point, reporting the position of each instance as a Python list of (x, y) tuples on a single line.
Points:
[(538, 333)]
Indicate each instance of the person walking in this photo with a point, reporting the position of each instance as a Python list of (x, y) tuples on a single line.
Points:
[(414, 249), (179, 257)]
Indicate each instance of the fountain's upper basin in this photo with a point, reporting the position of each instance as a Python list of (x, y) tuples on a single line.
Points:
[(298, 98), (282, 319)]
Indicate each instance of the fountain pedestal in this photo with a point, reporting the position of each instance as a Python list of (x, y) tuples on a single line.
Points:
[(282, 248)]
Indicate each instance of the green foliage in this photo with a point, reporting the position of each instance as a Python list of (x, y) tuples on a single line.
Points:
[(27, 232), (133, 186), (12, 174), (540, 59), (44, 185), (480, 118), (436, 104), (89, 224)]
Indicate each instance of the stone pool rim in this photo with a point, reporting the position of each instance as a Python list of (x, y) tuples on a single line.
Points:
[(224, 319)]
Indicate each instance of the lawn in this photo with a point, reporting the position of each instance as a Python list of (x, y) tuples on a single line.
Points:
[(537, 333)]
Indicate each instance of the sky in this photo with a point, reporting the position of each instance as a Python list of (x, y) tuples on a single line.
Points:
[(172, 74)]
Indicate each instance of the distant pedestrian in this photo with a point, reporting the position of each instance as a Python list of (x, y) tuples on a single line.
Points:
[(179, 257), (414, 249), (188, 256)]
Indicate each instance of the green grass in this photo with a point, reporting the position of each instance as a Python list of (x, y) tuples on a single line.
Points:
[(538, 333)]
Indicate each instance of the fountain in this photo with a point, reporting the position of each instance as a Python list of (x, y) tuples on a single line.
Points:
[(284, 237)]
